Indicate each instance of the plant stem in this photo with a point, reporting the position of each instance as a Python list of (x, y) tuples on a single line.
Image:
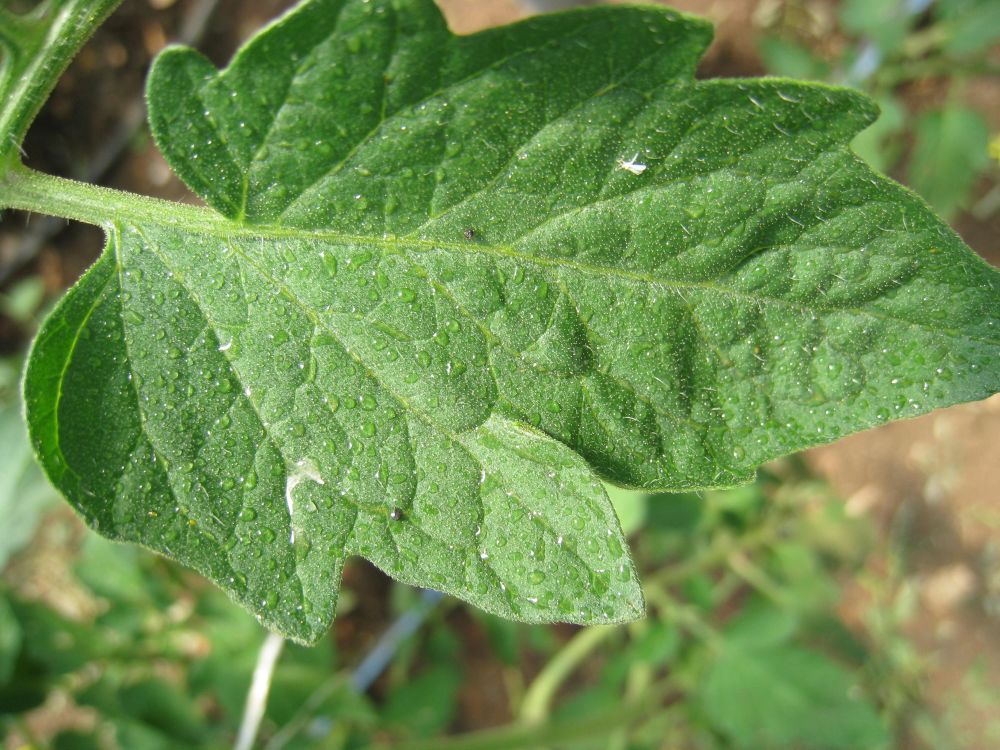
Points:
[(561, 733), (46, 43), (640, 677), (260, 686), (758, 578), (686, 617), (538, 699), (192, 28), (717, 552), (29, 190)]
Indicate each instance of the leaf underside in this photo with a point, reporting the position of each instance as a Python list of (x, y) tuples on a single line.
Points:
[(457, 279)]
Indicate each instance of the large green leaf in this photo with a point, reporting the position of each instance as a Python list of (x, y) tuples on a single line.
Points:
[(454, 277)]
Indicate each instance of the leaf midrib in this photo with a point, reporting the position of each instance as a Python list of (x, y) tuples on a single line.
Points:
[(225, 229), (93, 204)]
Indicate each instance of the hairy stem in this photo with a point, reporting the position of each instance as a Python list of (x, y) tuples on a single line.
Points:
[(45, 44), (29, 190)]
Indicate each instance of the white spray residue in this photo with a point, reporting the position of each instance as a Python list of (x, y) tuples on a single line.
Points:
[(305, 470)]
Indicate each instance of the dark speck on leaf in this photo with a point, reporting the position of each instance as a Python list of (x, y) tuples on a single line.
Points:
[(396, 514), (470, 233)]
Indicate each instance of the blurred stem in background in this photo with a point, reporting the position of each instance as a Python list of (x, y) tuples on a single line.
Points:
[(260, 686)]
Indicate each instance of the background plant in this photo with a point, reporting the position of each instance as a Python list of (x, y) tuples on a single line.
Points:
[(742, 586)]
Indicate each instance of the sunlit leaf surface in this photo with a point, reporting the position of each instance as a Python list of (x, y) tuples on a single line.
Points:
[(452, 281)]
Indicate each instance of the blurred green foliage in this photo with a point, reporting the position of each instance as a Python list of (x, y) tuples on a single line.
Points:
[(743, 648), (890, 49)]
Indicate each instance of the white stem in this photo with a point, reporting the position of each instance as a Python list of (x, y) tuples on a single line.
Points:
[(253, 711)]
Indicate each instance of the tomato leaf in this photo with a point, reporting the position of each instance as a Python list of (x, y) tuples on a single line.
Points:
[(451, 282)]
